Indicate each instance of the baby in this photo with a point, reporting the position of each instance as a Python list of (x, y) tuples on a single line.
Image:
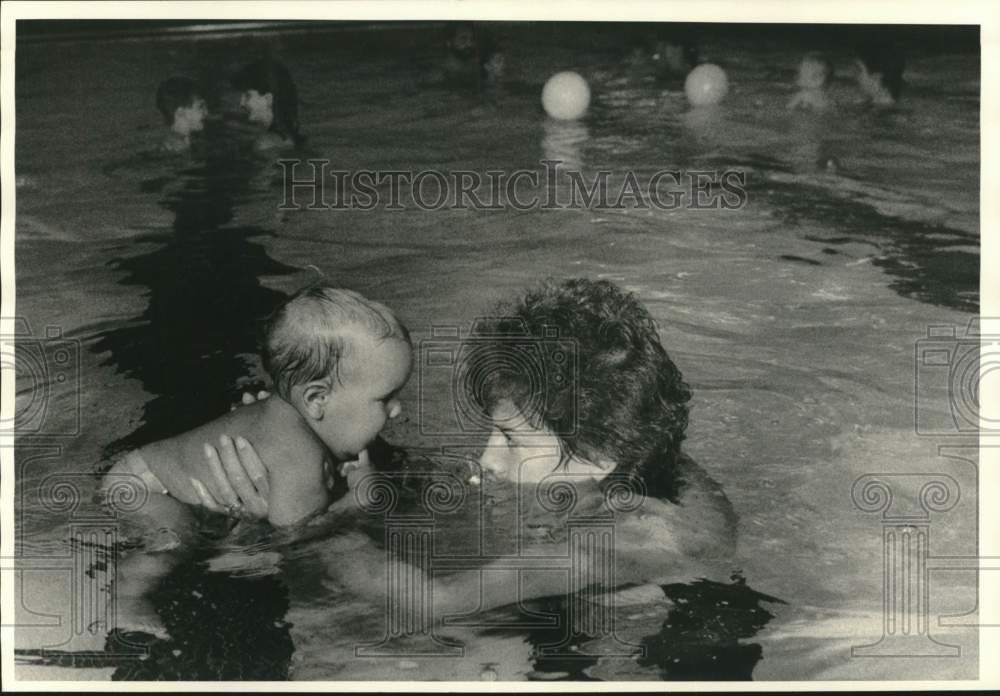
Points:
[(183, 109), (338, 362), (815, 72)]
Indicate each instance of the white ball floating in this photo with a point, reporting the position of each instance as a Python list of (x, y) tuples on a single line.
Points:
[(566, 96), (707, 84)]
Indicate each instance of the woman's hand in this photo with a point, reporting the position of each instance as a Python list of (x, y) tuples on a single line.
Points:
[(238, 484), (249, 398)]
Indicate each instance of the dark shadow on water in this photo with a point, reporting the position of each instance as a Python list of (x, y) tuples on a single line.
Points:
[(221, 628), (191, 344), (919, 256), (702, 639)]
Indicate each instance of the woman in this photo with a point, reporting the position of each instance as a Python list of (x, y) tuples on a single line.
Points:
[(599, 405)]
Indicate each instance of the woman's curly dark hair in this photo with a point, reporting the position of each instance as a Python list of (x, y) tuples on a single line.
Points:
[(604, 386)]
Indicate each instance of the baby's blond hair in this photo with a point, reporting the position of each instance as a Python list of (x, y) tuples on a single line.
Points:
[(311, 334)]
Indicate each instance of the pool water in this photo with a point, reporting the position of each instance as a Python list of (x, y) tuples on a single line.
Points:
[(796, 319)]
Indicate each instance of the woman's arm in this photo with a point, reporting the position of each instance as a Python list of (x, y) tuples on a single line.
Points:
[(660, 542)]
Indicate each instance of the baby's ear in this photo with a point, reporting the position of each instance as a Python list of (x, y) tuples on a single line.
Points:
[(315, 396)]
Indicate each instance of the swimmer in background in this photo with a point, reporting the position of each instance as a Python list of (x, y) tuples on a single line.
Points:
[(813, 82), (880, 73), (183, 109), (270, 100), (338, 361), (473, 51), (667, 54)]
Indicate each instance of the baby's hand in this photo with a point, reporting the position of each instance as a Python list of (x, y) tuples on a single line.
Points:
[(356, 470), (353, 471)]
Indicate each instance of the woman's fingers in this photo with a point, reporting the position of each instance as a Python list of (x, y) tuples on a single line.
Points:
[(238, 478), (253, 466), (205, 498), (218, 484), (249, 469), (247, 398)]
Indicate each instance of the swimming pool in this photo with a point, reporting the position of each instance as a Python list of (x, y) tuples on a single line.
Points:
[(797, 319)]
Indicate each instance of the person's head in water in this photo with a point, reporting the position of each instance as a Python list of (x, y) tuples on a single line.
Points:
[(473, 50), (269, 98), (674, 57), (815, 72), (183, 108), (462, 39), (573, 377), (880, 72), (671, 52)]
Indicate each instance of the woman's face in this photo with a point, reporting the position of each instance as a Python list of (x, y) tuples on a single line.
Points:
[(518, 452)]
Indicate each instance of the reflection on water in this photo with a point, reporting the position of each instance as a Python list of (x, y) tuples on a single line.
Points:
[(189, 346), (564, 141)]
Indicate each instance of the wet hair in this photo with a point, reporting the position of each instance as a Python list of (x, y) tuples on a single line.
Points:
[(174, 93), (887, 62), (268, 76), (620, 397), (309, 336)]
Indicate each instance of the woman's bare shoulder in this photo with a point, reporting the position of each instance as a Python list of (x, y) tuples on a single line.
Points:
[(702, 500), (701, 522)]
